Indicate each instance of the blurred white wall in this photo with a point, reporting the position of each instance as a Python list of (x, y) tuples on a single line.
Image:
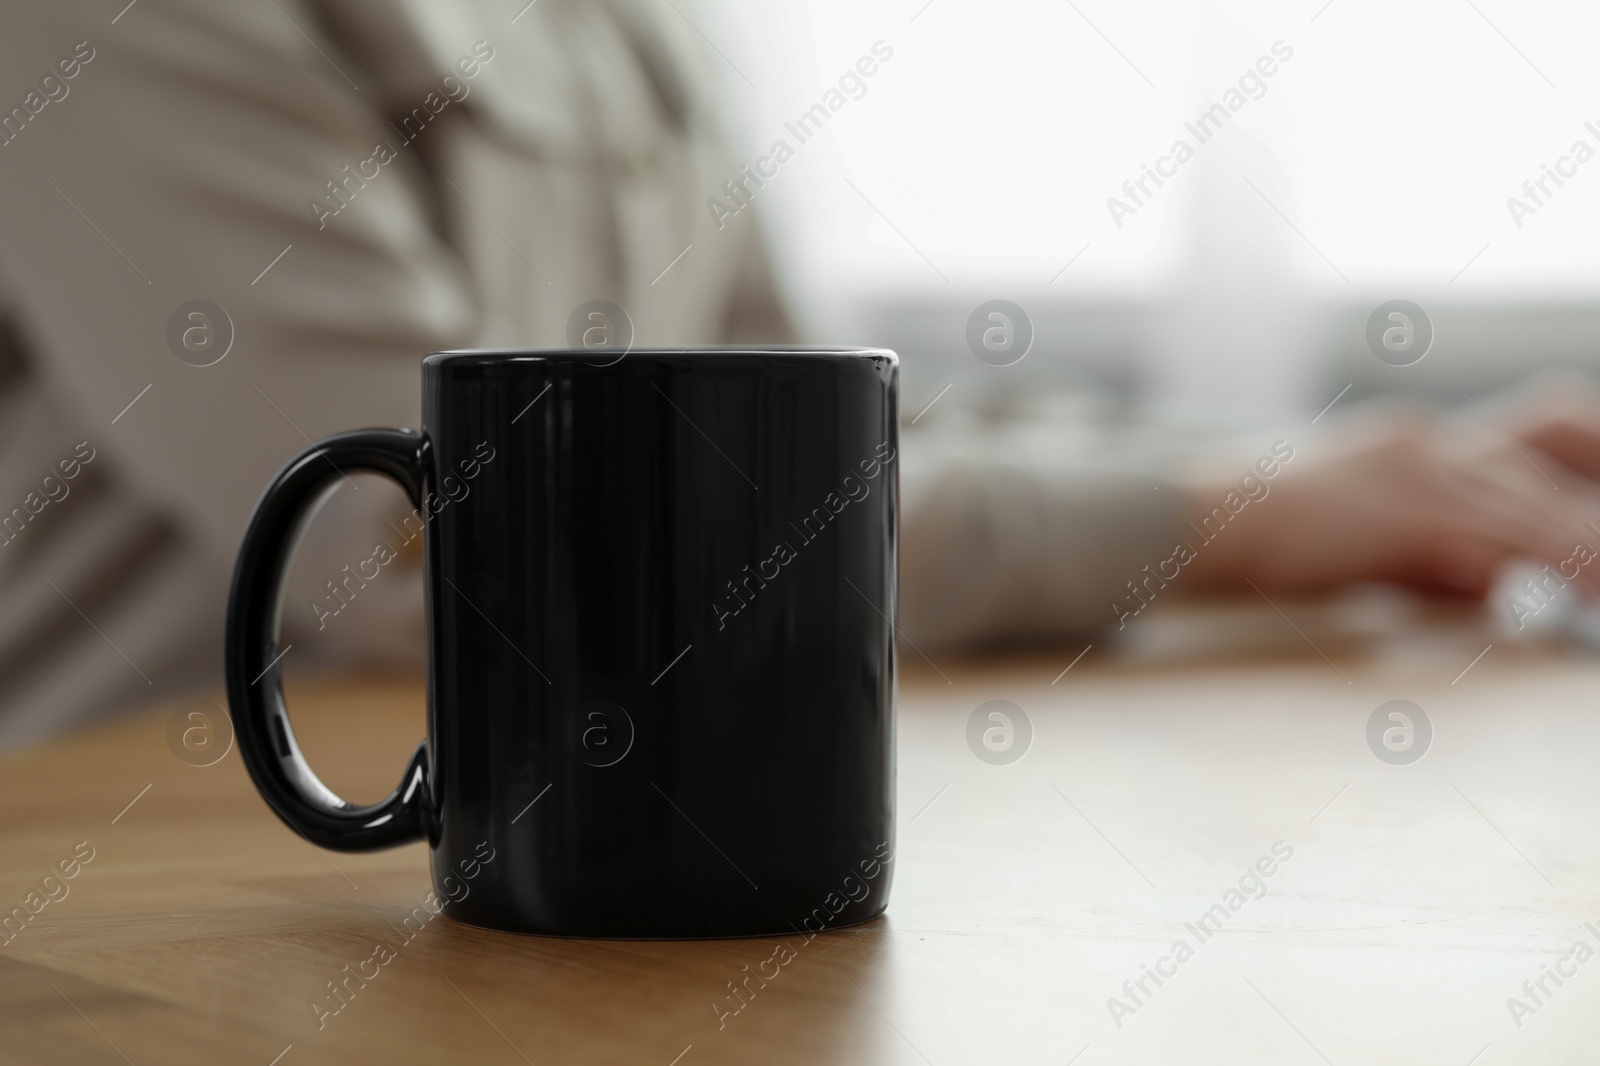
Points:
[(1375, 162)]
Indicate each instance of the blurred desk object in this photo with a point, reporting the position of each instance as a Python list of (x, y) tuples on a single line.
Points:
[(1417, 899)]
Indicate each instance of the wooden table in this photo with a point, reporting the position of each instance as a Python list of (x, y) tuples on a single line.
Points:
[(1418, 898)]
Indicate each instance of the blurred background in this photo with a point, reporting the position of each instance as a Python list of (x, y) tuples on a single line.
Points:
[(1198, 216), (1376, 164)]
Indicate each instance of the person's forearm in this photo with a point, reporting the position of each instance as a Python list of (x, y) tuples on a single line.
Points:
[(992, 552)]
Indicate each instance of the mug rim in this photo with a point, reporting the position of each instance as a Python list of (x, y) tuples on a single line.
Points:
[(541, 355)]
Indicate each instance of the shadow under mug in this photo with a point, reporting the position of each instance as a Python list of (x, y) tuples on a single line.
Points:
[(661, 650)]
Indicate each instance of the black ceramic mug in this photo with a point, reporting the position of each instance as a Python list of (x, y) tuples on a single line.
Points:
[(661, 647)]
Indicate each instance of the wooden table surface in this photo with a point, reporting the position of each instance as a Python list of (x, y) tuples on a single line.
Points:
[(1414, 902)]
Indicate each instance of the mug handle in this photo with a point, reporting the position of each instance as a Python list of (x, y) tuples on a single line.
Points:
[(255, 615)]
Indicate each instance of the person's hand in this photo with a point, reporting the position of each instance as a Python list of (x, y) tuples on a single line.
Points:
[(1438, 504)]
